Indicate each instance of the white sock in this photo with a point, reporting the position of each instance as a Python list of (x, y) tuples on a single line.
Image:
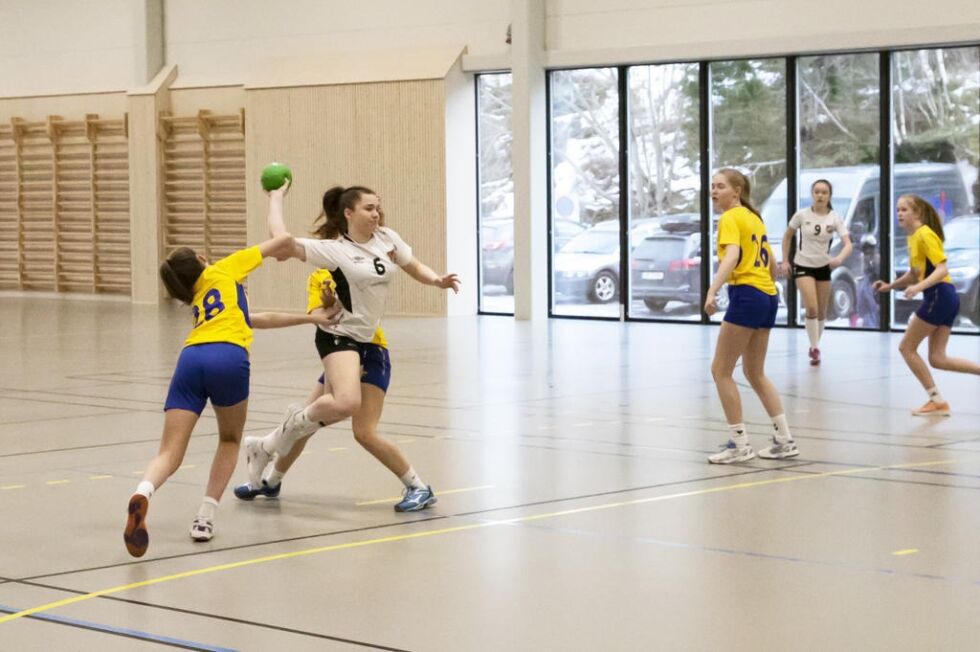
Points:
[(934, 395), (812, 331), (208, 507), (145, 488), (782, 428), (274, 477), (820, 324), (739, 436), (412, 480)]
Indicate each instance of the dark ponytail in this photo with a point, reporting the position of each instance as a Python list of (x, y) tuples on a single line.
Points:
[(335, 202), (179, 272)]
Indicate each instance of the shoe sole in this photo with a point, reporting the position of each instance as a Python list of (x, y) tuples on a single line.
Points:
[(135, 536), (937, 413)]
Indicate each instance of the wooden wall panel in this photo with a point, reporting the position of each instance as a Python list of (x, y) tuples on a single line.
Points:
[(387, 136)]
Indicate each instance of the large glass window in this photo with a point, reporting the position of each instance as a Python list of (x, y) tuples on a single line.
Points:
[(839, 140), (496, 187), (748, 132), (585, 192), (935, 130), (837, 110), (665, 192)]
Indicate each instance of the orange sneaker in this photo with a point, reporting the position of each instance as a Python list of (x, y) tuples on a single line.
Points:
[(932, 409)]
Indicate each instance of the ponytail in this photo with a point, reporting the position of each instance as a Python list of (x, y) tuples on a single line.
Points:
[(179, 272), (927, 215), (336, 201)]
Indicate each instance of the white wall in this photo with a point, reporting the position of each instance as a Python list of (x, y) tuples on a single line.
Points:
[(54, 46), (582, 32), (220, 41)]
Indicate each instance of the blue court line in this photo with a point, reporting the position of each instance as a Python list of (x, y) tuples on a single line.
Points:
[(122, 631)]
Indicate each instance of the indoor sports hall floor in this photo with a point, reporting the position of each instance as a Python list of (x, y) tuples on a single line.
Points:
[(576, 511)]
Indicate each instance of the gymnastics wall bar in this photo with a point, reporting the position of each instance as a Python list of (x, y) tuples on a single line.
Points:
[(64, 213), (204, 182)]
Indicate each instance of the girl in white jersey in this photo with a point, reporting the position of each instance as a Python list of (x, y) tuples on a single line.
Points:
[(812, 264), (361, 255)]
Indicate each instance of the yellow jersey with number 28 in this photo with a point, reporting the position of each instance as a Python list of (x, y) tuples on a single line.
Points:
[(220, 305)]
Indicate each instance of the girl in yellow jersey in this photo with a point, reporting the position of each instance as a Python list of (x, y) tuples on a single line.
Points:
[(747, 264), (375, 378), (928, 273), (213, 365)]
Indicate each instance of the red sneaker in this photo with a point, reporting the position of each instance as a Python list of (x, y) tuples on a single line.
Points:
[(814, 356)]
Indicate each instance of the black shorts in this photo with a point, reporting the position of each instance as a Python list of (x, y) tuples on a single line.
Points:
[(327, 343), (817, 273)]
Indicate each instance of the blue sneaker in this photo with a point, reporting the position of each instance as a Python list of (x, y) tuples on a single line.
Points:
[(416, 500), (245, 491)]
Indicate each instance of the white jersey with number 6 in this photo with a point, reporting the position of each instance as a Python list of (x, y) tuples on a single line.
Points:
[(362, 273), (816, 235)]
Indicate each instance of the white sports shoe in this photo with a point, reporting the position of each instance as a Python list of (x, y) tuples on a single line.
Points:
[(292, 429), (731, 453), (202, 529), (256, 459), (779, 450)]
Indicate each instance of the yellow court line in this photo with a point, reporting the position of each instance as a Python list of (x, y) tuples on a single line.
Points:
[(905, 551), (100, 477), (404, 441), (57, 482), (13, 486), (337, 449), (186, 466), (460, 528), (441, 493)]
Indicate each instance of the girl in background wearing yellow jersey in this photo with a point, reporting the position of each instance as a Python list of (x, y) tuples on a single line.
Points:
[(929, 274), (214, 364), (747, 264)]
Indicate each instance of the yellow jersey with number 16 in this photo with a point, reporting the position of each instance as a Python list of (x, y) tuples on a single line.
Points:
[(220, 305), (742, 227)]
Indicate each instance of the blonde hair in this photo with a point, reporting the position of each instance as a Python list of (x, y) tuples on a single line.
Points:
[(927, 214), (738, 180)]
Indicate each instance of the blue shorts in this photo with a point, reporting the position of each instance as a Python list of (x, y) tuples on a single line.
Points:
[(751, 307), (940, 305), (375, 366), (217, 370)]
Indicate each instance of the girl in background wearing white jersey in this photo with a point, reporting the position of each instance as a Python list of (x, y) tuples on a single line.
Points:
[(812, 264), (358, 250)]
